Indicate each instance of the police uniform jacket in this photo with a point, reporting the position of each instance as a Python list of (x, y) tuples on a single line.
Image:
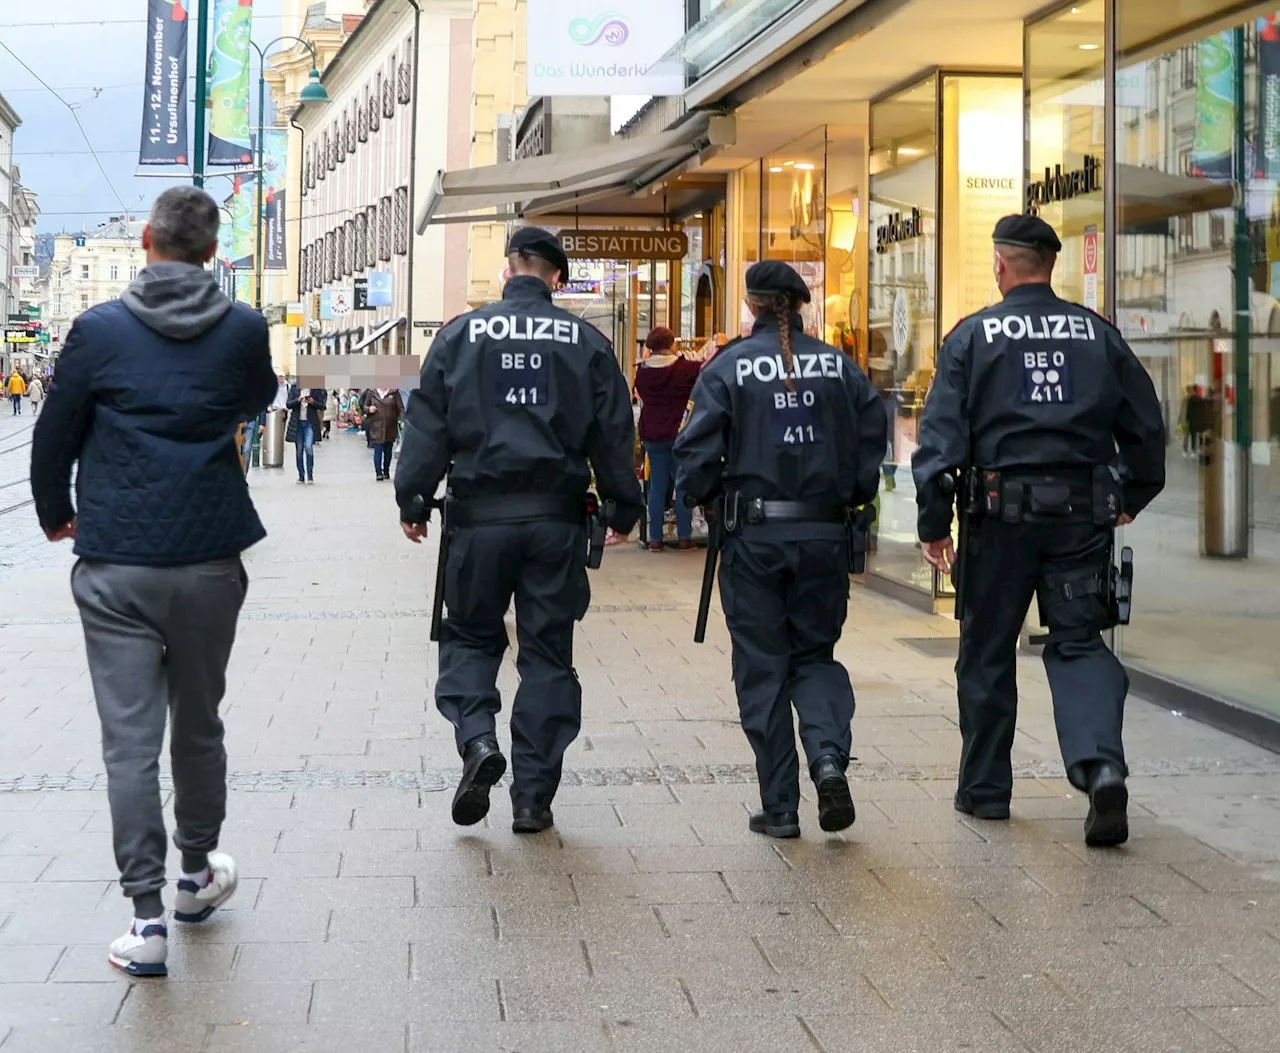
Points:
[(821, 443), (1037, 382), (520, 397)]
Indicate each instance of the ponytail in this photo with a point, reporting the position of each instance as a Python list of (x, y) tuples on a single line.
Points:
[(782, 304)]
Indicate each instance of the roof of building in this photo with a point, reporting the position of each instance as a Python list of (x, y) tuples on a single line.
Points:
[(349, 23), (119, 227), (8, 114)]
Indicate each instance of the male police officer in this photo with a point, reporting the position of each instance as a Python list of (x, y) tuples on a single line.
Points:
[(1052, 410), (793, 434), (519, 402)]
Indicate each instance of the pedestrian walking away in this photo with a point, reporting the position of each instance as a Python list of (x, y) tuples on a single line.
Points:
[(520, 403), (16, 387), (1059, 432), (150, 390), (791, 435), (382, 409), (305, 405), (35, 393), (331, 403), (664, 381)]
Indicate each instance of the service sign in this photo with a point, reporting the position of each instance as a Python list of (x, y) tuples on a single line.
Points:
[(26, 273), (604, 47), (624, 244)]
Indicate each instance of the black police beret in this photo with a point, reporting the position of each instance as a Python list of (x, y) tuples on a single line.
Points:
[(773, 276), (534, 241), (1030, 232)]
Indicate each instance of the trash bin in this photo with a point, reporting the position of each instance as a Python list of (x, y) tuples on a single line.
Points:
[(273, 439), (1224, 514)]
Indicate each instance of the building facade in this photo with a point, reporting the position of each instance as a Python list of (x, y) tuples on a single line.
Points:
[(89, 269), (399, 91), (9, 226)]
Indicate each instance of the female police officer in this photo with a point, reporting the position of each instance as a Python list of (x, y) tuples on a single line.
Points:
[(791, 433)]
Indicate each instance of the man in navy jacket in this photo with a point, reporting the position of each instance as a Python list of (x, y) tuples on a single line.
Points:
[(149, 392)]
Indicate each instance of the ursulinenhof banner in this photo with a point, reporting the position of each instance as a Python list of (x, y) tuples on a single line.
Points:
[(229, 83), (1212, 147), (1267, 156), (164, 99), (275, 152)]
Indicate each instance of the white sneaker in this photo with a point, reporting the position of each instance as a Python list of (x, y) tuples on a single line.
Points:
[(142, 953), (194, 903)]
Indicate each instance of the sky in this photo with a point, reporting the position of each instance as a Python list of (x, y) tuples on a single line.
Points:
[(94, 58)]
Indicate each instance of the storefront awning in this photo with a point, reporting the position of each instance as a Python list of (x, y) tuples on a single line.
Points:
[(379, 332), (572, 178)]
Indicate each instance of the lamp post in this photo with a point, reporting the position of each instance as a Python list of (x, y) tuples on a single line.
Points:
[(202, 89), (313, 92)]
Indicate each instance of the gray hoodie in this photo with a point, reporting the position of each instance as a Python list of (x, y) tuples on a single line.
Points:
[(177, 300)]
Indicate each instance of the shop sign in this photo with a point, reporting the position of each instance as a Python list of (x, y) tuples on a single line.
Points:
[(335, 303), (380, 288), (18, 319), (624, 244), (1091, 266), (897, 229), (360, 295), (1058, 185), (33, 312), (603, 47), (19, 336), (26, 273), (585, 281), (293, 316)]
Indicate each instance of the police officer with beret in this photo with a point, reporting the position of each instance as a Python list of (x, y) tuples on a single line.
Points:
[(520, 403), (791, 434), (1058, 426)]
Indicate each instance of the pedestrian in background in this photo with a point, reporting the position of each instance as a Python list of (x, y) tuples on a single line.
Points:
[(382, 410), (35, 392), (305, 405), (664, 381), (17, 387), (330, 413), (149, 392), (793, 433)]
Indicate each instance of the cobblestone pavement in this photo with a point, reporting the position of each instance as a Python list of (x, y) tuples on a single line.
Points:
[(652, 919)]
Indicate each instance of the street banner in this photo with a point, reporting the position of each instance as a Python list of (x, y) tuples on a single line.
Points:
[(275, 152), (1211, 149), (164, 98), (229, 83), (1267, 155)]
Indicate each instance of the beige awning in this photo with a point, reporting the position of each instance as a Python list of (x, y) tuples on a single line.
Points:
[(570, 178)]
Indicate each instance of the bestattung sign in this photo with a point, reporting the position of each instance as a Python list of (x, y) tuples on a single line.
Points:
[(624, 244)]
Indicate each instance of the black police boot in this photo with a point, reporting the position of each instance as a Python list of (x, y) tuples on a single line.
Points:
[(993, 810), (482, 766), (531, 820), (1107, 824), (775, 824), (835, 803)]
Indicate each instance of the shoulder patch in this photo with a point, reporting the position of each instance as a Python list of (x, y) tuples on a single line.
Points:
[(688, 412)]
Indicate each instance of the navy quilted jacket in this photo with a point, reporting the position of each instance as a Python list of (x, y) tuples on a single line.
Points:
[(151, 418)]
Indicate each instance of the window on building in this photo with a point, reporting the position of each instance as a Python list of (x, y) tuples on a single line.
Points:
[(133, 271), (339, 143), (362, 116), (384, 229), (404, 74), (84, 301), (114, 272), (361, 235), (1187, 59), (84, 272), (1217, 230), (351, 246), (375, 104), (402, 220), (329, 258)]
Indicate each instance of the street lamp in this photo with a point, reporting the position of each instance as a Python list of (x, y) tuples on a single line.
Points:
[(313, 91)]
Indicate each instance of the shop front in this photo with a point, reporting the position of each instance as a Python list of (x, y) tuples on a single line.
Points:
[(1148, 133)]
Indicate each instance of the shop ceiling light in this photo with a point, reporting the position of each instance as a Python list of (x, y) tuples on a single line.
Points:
[(787, 164), (804, 166), (1088, 47), (776, 169)]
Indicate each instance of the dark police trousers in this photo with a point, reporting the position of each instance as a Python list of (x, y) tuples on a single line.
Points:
[(785, 604), (543, 565), (1008, 564)]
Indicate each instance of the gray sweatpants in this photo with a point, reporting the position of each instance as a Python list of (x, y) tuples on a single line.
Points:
[(158, 641)]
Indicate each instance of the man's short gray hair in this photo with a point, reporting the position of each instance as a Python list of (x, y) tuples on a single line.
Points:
[(184, 225)]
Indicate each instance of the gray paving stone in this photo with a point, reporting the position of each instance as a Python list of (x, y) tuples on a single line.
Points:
[(712, 1036), (575, 861), (154, 1004), (261, 962), (23, 868), (528, 921), (524, 1036), (668, 860), (395, 1001), (416, 924), (1248, 1029), (1184, 945), (1156, 880), (1112, 985), (42, 1005), (374, 1036), (1115, 1031), (337, 893), (1047, 911), (600, 889), (600, 1000), (899, 1032), (176, 1037), (22, 965)]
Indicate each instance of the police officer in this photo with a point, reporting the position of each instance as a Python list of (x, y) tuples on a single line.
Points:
[(1050, 407), (792, 434), (520, 403)]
